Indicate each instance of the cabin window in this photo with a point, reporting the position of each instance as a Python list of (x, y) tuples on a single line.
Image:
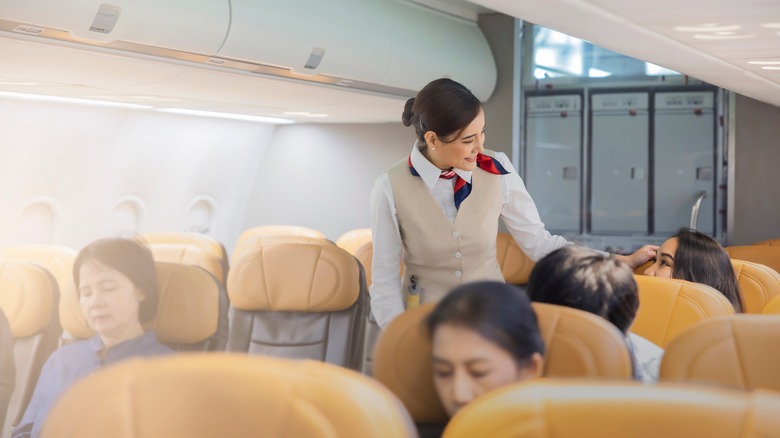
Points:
[(35, 224)]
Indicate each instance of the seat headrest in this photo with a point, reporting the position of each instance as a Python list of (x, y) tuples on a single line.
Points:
[(668, 306), (227, 395), (188, 310), (772, 307), (58, 260), (758, 284), (581, 344), (563, 408), (354, 239), (739, 351), (29, 296), (515, 265), (253, 242), (202, 241), (577, 343), (294, 277), (187, 255), (765, 255)]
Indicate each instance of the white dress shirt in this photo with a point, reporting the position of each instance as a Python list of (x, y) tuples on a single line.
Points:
[(518, 213), (646, 356)]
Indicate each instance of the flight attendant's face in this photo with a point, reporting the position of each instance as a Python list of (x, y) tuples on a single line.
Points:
[(458, 152), (664, 260), (466, 365)]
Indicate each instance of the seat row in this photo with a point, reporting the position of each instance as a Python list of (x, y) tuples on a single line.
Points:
[(229, 395)]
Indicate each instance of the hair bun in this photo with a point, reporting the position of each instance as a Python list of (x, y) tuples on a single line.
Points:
[(406, 116)]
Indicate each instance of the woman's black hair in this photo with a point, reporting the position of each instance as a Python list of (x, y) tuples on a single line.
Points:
[(443, 106), (586, 280), (499, 312), (701, 259), (133, 259)]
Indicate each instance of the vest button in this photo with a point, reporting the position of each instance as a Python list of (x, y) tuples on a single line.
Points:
[(458, 273), (455, 234), (458, 255)]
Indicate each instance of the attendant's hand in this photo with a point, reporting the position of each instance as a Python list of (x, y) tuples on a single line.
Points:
[(639, 256)]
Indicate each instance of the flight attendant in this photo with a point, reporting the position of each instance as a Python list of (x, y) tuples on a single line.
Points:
[(437, 210)]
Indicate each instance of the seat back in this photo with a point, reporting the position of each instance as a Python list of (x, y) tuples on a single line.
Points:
[(587, 409), (739, 351), (772, 307), (28, 297), (354, 239), (202, 241), (191, 315), (581, 344), (758, 284), (515, 265), (299, 301), (669, 306), (237, 396), (577, 343), (765, 255), (188, 255), (58, 260), (274, 230)]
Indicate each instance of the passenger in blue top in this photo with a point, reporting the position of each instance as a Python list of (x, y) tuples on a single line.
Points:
[(117, 287)]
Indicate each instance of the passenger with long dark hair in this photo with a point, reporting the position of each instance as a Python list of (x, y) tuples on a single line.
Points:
[(599, 284), (437, 209), (116, 282), (694, 256), (484, 336)]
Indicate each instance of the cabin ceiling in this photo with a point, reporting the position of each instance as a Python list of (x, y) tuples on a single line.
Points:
[(742, 55), (734, 44)]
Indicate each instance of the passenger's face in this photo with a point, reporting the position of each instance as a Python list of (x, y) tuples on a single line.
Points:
[(109, 300), (664, 260), (466, 365), (461, 151)]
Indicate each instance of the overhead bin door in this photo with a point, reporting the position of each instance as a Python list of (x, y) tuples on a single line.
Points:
[(619, 163), (553, 159), (684, 160)]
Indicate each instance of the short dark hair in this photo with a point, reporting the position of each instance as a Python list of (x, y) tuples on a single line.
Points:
[(586, 280), (443, 106), (701, 259), (133, 259), (499, 312)]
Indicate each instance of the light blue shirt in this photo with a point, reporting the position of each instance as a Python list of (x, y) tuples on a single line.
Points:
[(72, 362)]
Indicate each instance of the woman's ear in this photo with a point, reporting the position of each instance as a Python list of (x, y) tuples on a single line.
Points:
[(533, 369), (431, 139)]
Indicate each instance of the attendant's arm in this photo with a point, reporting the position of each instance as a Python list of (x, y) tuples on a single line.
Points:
[(386, 294), (521, 217)]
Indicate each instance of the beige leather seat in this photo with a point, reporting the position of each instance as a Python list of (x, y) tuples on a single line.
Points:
[(772, 307), (668, 306), (758, 284), (58, 260), (188, 316), (578, 344), (301, 301), (741, 351), (587, 409), (260, 240), (236, 396), (354, 239), (765, 255), (515, 265), (28, 297), (202, 241)]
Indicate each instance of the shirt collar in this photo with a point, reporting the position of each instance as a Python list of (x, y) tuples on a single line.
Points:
[(429, 172)]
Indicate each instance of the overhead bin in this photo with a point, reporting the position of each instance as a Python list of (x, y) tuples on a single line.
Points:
[(190, 26), (392, 47), (386, 42)]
